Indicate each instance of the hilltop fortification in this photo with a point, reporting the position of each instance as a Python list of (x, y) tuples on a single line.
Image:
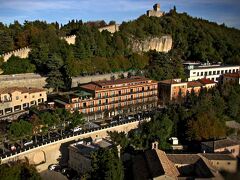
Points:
[(22, 53), (155, 11)]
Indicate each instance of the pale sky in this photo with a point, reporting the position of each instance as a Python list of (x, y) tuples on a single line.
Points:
[(220, 11)]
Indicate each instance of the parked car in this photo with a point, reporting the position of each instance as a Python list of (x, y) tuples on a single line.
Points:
[(76, 129), (27, 142), (54, 167)]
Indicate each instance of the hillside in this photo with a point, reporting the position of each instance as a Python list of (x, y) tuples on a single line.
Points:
[(95, 52)]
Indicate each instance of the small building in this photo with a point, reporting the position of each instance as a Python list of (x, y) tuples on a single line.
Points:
[(232, 78), (221, 146), (222, 162), (174, 88), (16, 99), (171, 89), (80, 153), (155, 12)]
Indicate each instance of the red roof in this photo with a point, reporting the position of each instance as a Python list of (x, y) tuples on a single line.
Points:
[(232, 75), (194, 84), (205, 81), (20, 89), (101, 85)]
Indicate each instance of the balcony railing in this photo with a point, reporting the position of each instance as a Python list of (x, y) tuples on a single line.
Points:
[(142, 99)]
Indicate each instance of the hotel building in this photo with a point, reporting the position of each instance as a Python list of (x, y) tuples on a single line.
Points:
[(101, 99), (16, 99), (197, 71)]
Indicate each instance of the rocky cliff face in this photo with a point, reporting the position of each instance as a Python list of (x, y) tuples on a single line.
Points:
[(162, 44)]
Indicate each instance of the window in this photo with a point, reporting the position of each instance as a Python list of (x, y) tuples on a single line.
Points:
[(218, 72), (233, 70), (84, 105), (230, 71), (198, 74), (210, 72), (33, 96), (205, 73), (99, 102), (232, 150), (99, 95), (222, 71), (201, 73), (226, 71), (131, 91), (119, 92), (17, 98), (25, 97), (214, 72), (229, 163), (40, 94)]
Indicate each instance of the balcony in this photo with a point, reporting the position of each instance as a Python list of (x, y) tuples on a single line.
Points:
[(124, 94), (142, 99)]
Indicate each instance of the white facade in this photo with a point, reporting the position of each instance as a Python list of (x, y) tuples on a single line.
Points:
[(212, 72)]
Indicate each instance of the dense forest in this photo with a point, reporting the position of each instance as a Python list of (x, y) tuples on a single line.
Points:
[(103, 52)]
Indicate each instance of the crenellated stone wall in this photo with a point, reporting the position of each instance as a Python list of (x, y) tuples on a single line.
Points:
[(70, 39), (22, 53), (37, 81), (162, 44), (111, 28)]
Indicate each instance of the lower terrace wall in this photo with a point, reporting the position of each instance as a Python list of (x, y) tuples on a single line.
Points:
[(37, 81), (47, 154)]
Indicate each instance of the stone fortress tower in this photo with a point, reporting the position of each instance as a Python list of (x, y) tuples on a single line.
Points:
[(155, 12)]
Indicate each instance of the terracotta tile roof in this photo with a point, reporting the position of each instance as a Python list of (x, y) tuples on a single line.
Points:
[(183, 158), (20, 89), (99, 85), (171, 81), (159, 164), (232, 75), (192, 84), (220, 143), (205, 81), (215, 156)]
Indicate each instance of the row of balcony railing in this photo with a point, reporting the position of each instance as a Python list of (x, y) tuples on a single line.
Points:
[(117, 101)]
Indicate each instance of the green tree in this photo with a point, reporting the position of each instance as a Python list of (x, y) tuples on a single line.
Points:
[(16, 65), (18, 171), (106, 165), (206, 126)]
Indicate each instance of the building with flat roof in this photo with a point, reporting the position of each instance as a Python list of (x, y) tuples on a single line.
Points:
[(16, 99), (155, 12), (101, 99), (80, 153), (212, 72)]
